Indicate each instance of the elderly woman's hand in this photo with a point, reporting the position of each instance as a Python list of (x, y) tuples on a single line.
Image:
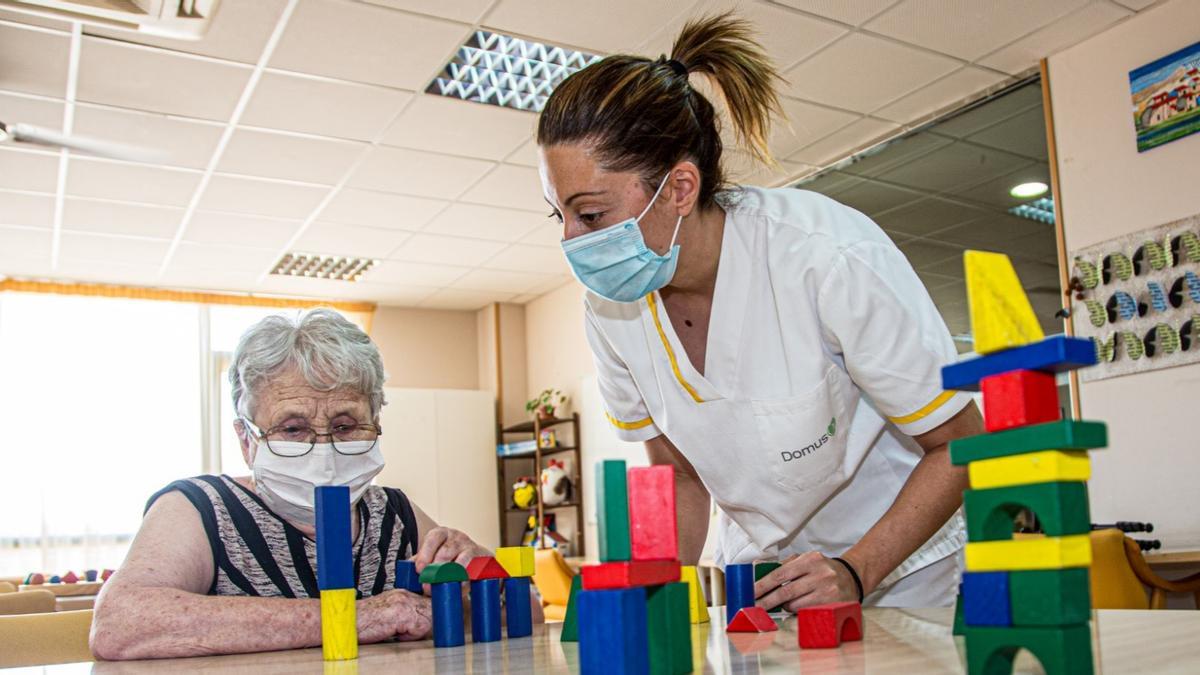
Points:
[(443, 544), (394, 614)]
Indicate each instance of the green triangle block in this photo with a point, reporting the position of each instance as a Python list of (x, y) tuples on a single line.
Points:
[(440, 573), (1050, 597), (669, 629), (1062, 650), (612, 499), (570, 627), (1061, 508), (1060, 435)]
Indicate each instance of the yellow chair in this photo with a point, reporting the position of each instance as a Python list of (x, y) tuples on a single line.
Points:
[(1120, 575), (44, 639), (27, 602), (6, 587), (552, 576)]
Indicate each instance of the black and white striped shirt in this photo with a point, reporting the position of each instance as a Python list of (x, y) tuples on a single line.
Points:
[(255, 552)]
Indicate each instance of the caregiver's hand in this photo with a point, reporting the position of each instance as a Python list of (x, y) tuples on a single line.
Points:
[(805, 580)]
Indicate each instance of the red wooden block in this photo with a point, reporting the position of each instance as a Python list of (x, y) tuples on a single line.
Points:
[(629, 574), (105, 575), (1019, 398), (37, 579), (825, 626), (652, 534), (751, 620), (485, 567), (69, 578)]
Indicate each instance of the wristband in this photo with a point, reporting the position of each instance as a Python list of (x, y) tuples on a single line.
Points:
[(853, 575)]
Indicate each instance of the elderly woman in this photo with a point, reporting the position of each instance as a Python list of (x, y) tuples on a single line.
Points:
[(225, 565)]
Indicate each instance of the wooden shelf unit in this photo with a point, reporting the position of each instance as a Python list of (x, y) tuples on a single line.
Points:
[(539, 508)]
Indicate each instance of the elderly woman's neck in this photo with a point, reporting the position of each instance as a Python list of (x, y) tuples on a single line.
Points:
[(305, 529)]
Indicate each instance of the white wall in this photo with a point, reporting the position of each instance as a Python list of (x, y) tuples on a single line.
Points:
[(427, 348), (1150, 469)]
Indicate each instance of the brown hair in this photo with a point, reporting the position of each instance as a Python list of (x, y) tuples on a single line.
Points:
[(644, 115)]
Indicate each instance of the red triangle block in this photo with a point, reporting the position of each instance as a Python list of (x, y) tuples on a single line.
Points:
[(485, 567), (751, 620), (70, 578)]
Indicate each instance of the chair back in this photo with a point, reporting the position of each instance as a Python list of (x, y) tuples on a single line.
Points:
[(26, 602), (6, 587), (1114, 584), (552, 576), (44, 639)]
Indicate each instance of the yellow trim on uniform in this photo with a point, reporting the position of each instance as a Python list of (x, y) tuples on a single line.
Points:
[(670, 352), (628, 426), (925, 411)]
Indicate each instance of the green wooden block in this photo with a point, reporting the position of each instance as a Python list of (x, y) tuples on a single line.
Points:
[(440, 573), (1065, 650), (1061, 508), (669, 629), (1060, 435), (570, 627), (612, 501), (1050, 597), (762, 569), (960, 624)]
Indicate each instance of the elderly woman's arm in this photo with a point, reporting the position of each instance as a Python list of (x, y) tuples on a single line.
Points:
[(156, 607)]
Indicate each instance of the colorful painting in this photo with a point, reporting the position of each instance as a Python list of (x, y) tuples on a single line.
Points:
[(1166, 98)]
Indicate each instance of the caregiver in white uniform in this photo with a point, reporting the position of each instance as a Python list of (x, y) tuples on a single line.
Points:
[(771, 344)]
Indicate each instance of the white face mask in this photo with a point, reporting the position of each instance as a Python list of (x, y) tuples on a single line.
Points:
[(286, 484)]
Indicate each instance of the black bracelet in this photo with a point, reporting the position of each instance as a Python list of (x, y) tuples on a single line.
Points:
[(853, 575)]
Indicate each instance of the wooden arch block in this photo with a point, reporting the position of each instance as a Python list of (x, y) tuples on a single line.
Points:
[(1061, 509), (825, 626)]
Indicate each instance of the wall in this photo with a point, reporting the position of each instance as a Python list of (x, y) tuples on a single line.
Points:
[(1149, 471), (511, 395), (427, 348)]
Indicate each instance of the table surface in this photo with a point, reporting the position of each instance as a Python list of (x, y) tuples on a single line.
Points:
[(897, 641)]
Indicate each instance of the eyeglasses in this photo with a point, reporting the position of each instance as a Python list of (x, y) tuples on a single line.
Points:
[(297, 440)]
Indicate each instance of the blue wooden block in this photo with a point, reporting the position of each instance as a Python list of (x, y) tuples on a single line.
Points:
[(986, 599), (516, 605), (485, 610), (335, 568), (448, 614), (739, 589), (407, 577), (1053, 355), (612, 632)]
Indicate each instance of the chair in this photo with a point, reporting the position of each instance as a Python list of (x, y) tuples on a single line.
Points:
[(6, 587), (26, 602), (552, 576), (1120, 575), (44, 639)]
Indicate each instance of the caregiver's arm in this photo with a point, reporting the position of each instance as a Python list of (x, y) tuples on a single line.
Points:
[(691, 498)]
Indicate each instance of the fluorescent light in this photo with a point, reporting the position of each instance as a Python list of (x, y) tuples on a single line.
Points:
[(1041, 210), (507, 71), (317, 266), (1027, 190)]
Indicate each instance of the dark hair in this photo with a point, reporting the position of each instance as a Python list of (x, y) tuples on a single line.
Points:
[(644, 115)]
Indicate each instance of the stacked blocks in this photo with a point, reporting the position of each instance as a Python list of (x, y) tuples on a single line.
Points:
[(486, 575), (335, 573), (697, 607), (446, 579), (518, 563), (1029, 593), (827, 626), (407, 577), (570, 627)]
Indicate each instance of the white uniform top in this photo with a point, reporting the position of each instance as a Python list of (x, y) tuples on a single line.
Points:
[(824, 357)]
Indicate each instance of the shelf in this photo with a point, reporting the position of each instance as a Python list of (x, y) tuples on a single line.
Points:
[(545, 452), (564, 505), (527, 427)]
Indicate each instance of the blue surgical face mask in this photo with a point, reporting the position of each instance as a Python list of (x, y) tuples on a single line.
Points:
[(615, 262)]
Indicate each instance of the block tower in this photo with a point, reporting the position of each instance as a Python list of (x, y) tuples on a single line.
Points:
[(335, 573), (1029, 592)]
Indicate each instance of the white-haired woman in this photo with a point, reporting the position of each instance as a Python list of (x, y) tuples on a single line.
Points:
[(226, 565)]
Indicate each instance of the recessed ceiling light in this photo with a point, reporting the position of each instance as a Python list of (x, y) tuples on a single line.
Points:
[(1027, 190), (507, 71), (1041, 210), (317, 266)]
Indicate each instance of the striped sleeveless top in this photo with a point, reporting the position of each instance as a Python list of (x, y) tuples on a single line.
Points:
[(255, 552)]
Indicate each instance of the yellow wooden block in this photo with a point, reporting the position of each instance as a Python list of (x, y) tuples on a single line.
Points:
[(339, 624), (697, 607), (1001, 316), (1046, 466), (1043, 553), (516, 560)]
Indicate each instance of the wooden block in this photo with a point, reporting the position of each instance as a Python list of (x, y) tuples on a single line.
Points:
[(613, 632), (570, 627), (517, 560), (1045, 466), (69, 578), (985, 599), (90, 575), (1035, 553), (55, 579), (762, 569), (339, 624), (739, 589), (440, 573), (1061, 508), (36, 579), (1019, 398), (751, 620), (407, 577), (1065, 650), (825, 626), (1050, 597), (629, 574), (668, 629), (447, 613), (1060, 435), (335, 567), (485, 567), (1053, 355), (485, 610), (652, 533), (106, 574), (1001, 316), (697, 605), (612, 496), (519, 615)]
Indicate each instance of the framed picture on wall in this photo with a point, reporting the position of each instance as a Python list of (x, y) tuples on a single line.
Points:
[(1166, 98)]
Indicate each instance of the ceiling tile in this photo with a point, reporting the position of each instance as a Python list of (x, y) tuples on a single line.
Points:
[(853, 13), (526, 155), (608, 27), (107, 272), (953, 166), (847, 74), (895, 152), (366, 43), (380, 209), (844, 142), (466, 11), (349, 240), (1137, 5), (968, 29), (183, 142), (741, 168), (31, 20), (871, 198), (34, 61), (529, 258), (1065, 32), (992, 112), (517, 187), (952, 89), (288, 157), (500, 280), (209, 256), (260, 197), (215, 227), (25, 209), (486, 222), (549, 234), (209, 279), (322, 106), (927, 215), (922, 253), (130, 182), (391, 295), (1024, 135), (829, 182), (25, 266), (26, 243), (804, 124), (308, 287), (456, 127), (32, 171), (38, 112), (421, 174), (238, 32), (414, 273), (145, 78), (449, 298), (79, 246), (995, 191), (438, 249), (105, 217), (994, 233)]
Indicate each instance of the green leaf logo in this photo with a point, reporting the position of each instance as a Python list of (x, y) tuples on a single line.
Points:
[(833, 427)]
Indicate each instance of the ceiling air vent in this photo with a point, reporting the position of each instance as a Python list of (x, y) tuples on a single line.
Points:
[(316, 266), (179, 19), (1041, 210)]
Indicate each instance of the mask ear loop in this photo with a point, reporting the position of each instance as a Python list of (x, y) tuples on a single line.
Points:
[(653, 199)]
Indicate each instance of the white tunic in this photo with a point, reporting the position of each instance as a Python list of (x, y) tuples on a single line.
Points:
[(823, 358)]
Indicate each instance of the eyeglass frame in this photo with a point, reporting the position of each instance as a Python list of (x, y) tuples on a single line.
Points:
[(262, 435)]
